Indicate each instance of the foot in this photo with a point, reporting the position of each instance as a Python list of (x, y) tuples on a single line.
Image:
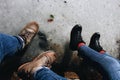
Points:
[(94, 42), (29, 32), (44, 59), (76, 37)]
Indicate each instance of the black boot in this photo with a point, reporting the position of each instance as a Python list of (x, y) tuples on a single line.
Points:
[(94, 42), (75, 37)]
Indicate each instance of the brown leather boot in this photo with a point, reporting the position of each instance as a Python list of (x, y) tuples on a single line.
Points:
[(29, 32), (44, 59)]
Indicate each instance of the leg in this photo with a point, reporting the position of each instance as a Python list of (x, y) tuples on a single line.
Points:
[(39, 68), (47, 74), (95, 44), (108, 63), (9, 45)]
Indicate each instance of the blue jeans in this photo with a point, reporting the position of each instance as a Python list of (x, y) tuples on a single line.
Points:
[(47, 74), (108, 63), (9, 45)]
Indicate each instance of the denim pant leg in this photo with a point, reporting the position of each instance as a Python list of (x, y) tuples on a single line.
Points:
[(47, 74), (9, 45), (108, 63)]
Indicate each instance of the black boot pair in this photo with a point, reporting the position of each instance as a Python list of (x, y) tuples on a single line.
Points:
[(76, 38)]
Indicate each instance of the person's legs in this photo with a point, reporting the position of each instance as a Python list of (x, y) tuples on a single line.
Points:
[(108, 63), (39, 68), (95, 44), (47, 74), (9, 45)]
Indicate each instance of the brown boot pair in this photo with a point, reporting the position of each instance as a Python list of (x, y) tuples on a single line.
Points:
[(44, 59)]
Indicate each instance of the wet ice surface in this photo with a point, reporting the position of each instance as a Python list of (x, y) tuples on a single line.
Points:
[(93, 15)]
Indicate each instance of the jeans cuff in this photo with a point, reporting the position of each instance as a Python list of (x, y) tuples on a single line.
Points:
[(39, 68), (21, 41)]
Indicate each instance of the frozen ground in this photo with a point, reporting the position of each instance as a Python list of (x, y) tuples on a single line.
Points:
[(94, 15)]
